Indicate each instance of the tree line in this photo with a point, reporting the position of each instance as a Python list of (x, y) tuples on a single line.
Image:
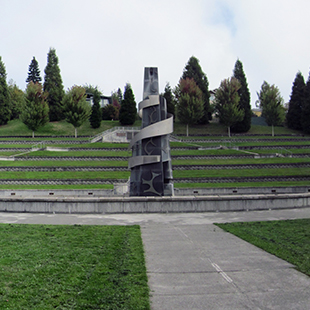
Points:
[(47, 102), (189, 101)]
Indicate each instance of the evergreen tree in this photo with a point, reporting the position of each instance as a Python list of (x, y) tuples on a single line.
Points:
[(244, 104), (128, 110), (227, 102), (293, 116), (35, 108), (193, 71), (17, 99), (189, 102), (53, 86), (168, 95), (305, 115), (271, 103), (34, 72), (5, 102), (96, 112), (76, 109), (119, 96)]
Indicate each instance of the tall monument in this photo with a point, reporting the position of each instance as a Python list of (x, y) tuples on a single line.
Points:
[(150, 164)]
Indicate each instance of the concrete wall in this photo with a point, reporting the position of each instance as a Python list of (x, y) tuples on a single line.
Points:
[(106, 205)]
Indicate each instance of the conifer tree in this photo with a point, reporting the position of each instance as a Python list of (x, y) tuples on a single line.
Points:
[(34, 72), (96, 114), (128, 110), (168, 95), (53, 86), (35, 108), (5, 102), (305, 115), (293, 116), (76, 109), (244, 104), (193, 70)]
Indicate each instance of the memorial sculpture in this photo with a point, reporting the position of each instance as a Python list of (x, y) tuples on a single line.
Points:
[(150, 164)]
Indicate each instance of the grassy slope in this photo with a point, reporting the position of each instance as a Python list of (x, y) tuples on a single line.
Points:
[(72, 267), (289, 240)]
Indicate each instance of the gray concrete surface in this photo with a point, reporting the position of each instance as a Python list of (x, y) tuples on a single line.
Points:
[(193, 264)]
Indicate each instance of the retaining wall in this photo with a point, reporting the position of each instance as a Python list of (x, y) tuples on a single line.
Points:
[(108, 205)]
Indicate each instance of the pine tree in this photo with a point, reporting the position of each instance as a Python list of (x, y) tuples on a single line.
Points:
[(34, 72), (193, 71), (294, 112), (53, 86), (128, 110), (168, 95), (35, 108), (96, 114), (227, 103), (5, 102), (76, 109), (244, 104), (305, 115)]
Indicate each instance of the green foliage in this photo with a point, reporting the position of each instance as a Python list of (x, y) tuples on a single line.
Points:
[(17, 99), (190, 102), (5, 102), (53, 85), (128, 110), (72, 267), (35, 108), (193, 70), (96, 114), (76, 109), (271, 103), (227, 102), (289, 239), (294, 112), (305, 115), (244, 104), (168, 95), (34, 72)]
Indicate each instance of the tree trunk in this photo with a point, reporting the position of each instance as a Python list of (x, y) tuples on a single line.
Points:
[(272, 130), (228, 131), (186, 130), (32, 134), (75, 132)]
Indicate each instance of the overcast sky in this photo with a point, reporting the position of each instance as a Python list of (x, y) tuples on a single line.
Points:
[(109, 42)]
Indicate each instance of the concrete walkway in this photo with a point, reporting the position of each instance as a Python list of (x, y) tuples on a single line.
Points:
[(193, 264)]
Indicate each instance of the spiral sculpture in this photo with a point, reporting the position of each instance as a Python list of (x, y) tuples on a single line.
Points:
[(150, 164)]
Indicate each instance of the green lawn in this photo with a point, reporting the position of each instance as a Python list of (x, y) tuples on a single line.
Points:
[(289, 240), (72, 267)]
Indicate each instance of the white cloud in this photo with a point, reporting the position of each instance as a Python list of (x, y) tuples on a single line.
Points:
[(109, 42)]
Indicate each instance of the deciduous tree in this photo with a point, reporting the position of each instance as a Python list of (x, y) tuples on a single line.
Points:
[(168, 95), (193, 70), (35, 108), (76, 109), (17, 97), (271, 103), (53, 85), (189, 102), (227, 102), (244, 104), (34, 72)]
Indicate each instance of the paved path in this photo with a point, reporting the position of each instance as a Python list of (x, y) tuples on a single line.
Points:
[(193, 264)]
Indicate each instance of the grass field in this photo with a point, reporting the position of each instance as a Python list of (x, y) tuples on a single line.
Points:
[(289, 240), (72, 267)]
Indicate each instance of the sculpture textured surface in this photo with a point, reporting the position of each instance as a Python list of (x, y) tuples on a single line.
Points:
[(150, 164)]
